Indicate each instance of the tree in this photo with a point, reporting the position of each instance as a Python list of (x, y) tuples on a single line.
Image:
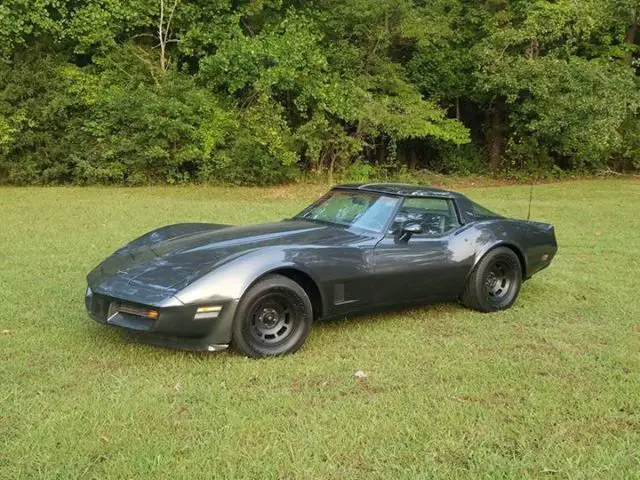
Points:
[(129, 91)]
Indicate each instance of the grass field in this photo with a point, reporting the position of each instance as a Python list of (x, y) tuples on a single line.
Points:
[(548, 389)]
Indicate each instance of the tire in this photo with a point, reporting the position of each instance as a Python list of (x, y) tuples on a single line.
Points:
[(273, 318), (495, 282)]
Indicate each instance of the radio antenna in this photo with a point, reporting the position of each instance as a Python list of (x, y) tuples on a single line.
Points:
[(530, 200)]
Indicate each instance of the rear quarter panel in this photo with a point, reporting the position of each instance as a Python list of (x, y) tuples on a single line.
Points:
[(532, 240)]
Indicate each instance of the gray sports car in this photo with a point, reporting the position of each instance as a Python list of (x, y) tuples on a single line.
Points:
[(205, 286)]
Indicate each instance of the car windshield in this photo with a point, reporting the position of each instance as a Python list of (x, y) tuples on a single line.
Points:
[(368, 211)]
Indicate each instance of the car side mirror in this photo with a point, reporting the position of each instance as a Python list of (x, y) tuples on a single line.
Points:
[(409, 229)]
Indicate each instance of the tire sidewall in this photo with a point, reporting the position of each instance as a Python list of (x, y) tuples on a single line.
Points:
[(304, 313), (505, 254)]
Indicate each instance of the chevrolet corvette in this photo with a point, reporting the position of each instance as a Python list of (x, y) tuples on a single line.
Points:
[(359, 248)]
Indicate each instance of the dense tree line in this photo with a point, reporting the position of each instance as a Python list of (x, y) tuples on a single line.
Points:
[(260, 91)]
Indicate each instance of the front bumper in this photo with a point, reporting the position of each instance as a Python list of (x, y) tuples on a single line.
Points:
[(174, 327)]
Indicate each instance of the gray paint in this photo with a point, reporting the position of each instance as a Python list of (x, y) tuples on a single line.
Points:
[(180, 267)]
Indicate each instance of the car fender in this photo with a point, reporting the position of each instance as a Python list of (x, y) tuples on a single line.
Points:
[(494, 234), (232, 279), (227, 283)]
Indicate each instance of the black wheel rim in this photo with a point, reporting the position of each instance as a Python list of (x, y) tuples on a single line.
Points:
[(499, 280), (272, 320)]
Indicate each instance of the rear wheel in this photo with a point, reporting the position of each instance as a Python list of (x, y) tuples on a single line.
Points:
[(273, 318), (495, 282)]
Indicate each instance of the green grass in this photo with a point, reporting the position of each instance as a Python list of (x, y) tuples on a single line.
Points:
[(550, 388)]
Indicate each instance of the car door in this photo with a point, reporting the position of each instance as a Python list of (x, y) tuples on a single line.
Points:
[(431, 265)]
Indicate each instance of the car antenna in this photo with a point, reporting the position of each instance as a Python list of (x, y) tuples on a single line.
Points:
[(530, 200)]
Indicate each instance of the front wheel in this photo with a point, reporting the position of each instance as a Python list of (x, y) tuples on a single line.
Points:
[(495, 282), (273, 318)]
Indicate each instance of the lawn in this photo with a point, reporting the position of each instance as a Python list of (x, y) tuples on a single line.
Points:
[(550, 388)]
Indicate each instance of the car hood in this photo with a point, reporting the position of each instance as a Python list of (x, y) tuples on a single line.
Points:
[(149, 271)]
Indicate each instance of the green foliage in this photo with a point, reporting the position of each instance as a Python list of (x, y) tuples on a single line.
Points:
[(139, 91), (107, 124), (360, 172), (566, 109), (35, 121), (544, 82), (323, 101), (22, 20)]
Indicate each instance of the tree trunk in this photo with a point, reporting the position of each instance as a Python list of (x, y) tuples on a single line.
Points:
[(413, 158), (630, 39), (163, 66), (161, 36), (381, 152), (494, 134), (331, 167)]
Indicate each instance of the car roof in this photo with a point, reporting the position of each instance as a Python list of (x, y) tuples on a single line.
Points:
[(401, 189)]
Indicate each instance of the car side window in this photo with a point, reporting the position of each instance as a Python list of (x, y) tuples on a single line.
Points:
[(480, 212), (436, 216)]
